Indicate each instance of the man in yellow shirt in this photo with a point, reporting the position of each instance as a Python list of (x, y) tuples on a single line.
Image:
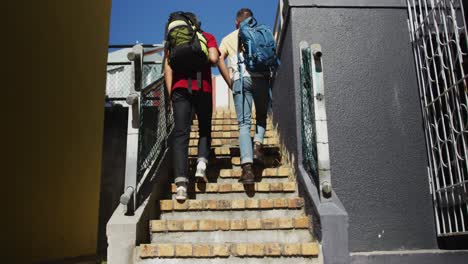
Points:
[(253, 86)]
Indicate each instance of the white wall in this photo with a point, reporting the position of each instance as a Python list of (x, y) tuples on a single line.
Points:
[(223, 94)]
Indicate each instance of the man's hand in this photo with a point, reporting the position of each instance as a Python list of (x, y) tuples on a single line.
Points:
[(223, 70)]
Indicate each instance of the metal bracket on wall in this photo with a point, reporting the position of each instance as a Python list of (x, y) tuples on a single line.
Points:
[(323, 153)]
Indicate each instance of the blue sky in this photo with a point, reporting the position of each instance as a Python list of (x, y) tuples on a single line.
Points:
[(144, 20)]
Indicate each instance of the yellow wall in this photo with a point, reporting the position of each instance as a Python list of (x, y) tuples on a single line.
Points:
[(56, 54)]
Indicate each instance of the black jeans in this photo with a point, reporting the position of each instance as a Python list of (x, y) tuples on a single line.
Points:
[(185, 105)]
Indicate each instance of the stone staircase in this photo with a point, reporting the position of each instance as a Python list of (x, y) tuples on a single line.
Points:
[(224, 221)]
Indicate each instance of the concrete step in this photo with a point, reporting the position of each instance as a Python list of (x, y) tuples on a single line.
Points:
[(232, 260), (228, 253), (237, 224), (259, 190), (230, 134), (252, 236), (233, 214)]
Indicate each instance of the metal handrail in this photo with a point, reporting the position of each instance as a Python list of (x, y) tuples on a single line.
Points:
[(278, 24), (314, 119), (141, 160)]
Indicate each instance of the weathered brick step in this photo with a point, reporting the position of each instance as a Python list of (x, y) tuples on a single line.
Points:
[(221, 115), (271, 175), (234, 150), (207, 191), (206, 225), (230, 134), (257, 179), (270, 161), (228, 205), (233, 214), (280, 172), (218, 162), (226, 114), (218, 142), (226, 128), (228, 121), (231, 252), (265, 187)]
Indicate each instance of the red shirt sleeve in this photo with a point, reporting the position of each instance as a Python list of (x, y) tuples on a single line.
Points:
[(211, 41)]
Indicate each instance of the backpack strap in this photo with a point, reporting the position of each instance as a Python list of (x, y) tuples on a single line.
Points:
[(241, 73), (199, 81), (189, 88), (192, 21)]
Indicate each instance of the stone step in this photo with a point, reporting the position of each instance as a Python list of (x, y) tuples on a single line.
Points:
[(231, 205), (229, 252), (227, 128), (239, 224), (259, 190), (233, 214), (230, 134)]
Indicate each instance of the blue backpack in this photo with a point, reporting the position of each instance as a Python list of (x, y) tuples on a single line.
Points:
[(259, 47)]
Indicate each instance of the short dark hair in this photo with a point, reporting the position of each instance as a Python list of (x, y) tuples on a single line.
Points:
[(244, 13)]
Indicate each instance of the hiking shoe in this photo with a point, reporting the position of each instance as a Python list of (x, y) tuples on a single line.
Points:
[(200, 174), (258, 155), (247, 176), (181, 193)]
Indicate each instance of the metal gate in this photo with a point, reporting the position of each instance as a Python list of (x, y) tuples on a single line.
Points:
[(440, 44)]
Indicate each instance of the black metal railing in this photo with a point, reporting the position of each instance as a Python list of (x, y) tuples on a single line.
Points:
[(156, 122), (308, 131)]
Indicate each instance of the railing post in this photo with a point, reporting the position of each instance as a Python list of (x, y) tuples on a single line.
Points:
[(128, 198), (323, 154)]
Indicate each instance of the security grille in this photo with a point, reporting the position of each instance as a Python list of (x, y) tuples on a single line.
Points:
[(439, 37)]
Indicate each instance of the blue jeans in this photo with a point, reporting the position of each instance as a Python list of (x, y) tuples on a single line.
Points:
[(255, 88)]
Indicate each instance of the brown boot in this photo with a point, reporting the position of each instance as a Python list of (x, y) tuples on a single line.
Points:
[(247, 176), (258, 153)]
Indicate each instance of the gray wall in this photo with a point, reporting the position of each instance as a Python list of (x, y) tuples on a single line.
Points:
[(114, 146), (284, 93), (377, 148)]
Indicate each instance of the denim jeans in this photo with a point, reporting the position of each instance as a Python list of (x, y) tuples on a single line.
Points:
[(256, 88), (185, 106)]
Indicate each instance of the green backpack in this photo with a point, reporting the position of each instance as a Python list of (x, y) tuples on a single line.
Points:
[(188, 49)]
